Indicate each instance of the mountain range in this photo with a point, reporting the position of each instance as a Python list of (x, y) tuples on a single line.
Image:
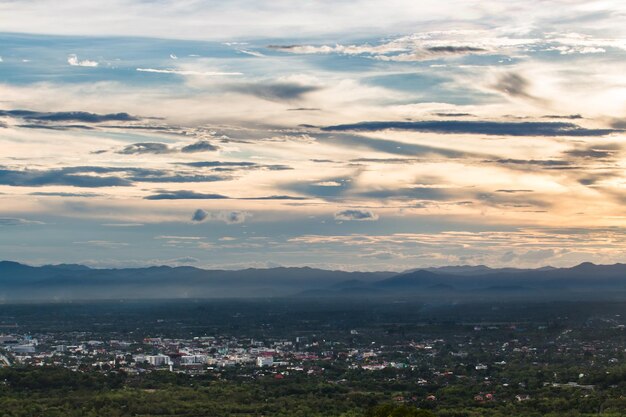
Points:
[(20, 282)]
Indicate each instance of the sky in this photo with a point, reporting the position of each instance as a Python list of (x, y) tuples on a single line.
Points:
[(354, 135)]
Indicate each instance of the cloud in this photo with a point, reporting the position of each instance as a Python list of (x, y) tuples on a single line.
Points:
[(597, 151), (184, 195), (73, 60), (14, 221), (53, 127), (515, 85), (274, 197), (546, 163), (161, 148), (448, 49), (95, 176), (328, 184), (200, 146), (65, 194), (105, 244), (570, 117), (278, 91), (199, 215), (145, 148), (477, 128), (79, 116), (355, 214), (394, 147), (64, 176), (192, 195), (186, 72), (238, 165), (228, 217), (416, 47)]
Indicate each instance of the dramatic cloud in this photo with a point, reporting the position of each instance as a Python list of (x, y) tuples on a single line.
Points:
[(354, 214), (478, 128), (480, 121)]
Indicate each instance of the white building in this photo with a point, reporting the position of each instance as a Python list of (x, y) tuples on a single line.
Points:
[(23, 349), (158, 360), (264, 361), (193, 359)]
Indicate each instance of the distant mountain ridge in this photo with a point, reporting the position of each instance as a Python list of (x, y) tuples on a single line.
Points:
[(70, 281)]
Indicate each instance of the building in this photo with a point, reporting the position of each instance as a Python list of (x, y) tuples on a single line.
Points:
[(158, 360), (264, 361)]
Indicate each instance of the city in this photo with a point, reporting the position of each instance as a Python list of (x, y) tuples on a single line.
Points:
[(487, 364)]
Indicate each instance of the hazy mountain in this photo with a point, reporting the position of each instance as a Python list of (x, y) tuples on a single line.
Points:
[(67, 281)]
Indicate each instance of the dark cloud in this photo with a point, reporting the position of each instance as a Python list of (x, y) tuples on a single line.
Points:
[(281, 91), (593, 179), (510, 200), (213, 164), (599, 151), (184, 195), (145, 148), (478, 127), (453, 114), (192, 195), (200, 146), (232, 166), (618, 124), (416, 193), (93, 177), (165, 177), (274, 197), (77, 116), (63, 176), (356, 214), (319, 189), (199, 215), (305, 109), (512, 191), (229, 217), (514, 85), (566, 116), (548, 163), (285, 47), (53, 127), (454, 49), (389, 146)]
